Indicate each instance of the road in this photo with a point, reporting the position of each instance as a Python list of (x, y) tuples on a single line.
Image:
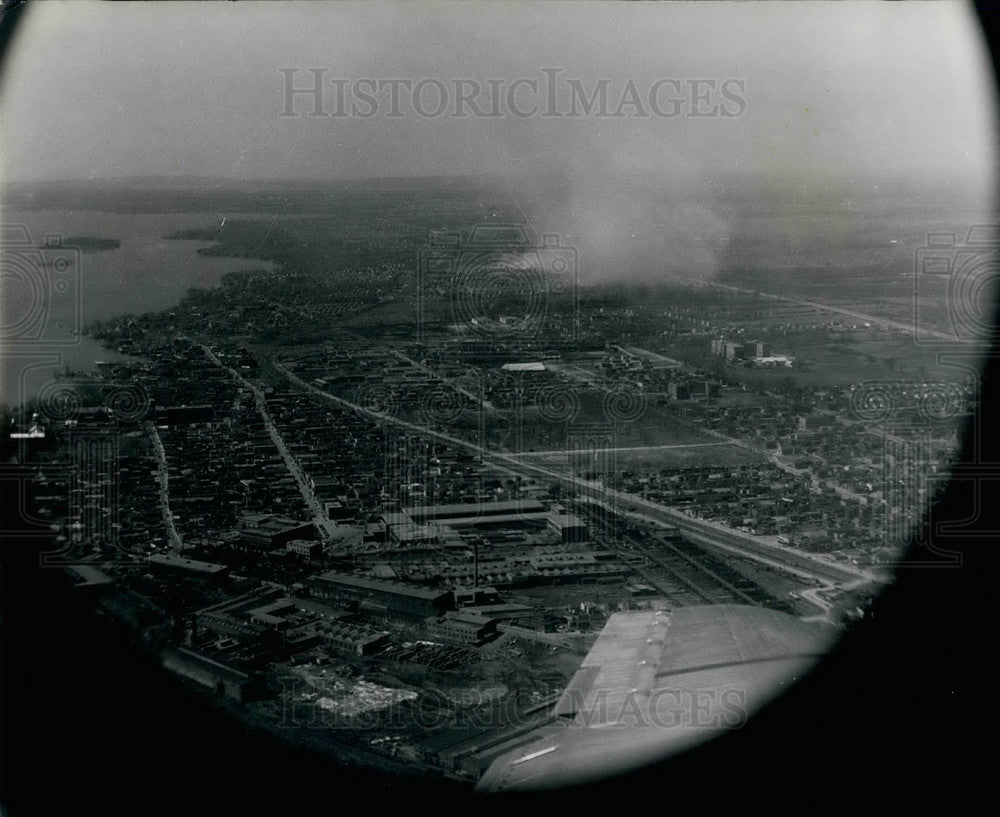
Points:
[(486, 405), (651, 357), (745, 544), (320, 518), (850, 313), (666, 447), (163, 478)]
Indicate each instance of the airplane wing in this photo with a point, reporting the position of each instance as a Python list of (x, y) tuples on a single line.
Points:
[(656, 683)]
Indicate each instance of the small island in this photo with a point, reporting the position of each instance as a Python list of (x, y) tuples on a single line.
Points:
[(90, 244)]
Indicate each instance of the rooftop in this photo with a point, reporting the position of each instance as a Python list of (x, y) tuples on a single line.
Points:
[(383, 585), (534, 366), (173, 560), (473, 509)]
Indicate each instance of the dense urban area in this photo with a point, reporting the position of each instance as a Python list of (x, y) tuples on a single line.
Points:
[(381, 499)]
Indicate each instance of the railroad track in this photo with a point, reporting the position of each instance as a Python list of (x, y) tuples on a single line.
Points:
[(683, 577)]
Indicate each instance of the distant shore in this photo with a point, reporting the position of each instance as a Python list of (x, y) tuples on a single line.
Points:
[(87, 243)]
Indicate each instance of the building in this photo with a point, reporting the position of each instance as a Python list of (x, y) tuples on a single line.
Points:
[(732, 350), (464, 626), (275, 615), (212, 674), (339, 511), (450, 514), (307, 548), (475, 596), (679, 391), (411, 534), (353, 638), (380, 596), (568, 526), (87, 577), (266, 533), (444, 525), (233, 618), (172, 563), (521, 614)]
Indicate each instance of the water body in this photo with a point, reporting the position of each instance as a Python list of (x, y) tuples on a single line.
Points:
[(47, 295)]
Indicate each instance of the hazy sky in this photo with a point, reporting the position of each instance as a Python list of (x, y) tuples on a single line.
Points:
[(832, 91)]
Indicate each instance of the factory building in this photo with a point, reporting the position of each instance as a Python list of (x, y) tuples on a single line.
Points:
[(212, 674), (444, 523), (381, 597), (172, 563), (267, 533), (353, 638), (473, 510), (306, 548), (476, 596), (464, 626), (232, 618), (569, 527)]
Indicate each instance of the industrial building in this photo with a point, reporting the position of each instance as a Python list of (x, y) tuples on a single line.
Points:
[(568, 526), (755, 352), (541, 565), (352, 637), (87, 577), (444, 524), (266, 533), (381, 597), (232, 617), (307, 548), (172, 563), (458, 513), (464, 626), (212, 674)]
